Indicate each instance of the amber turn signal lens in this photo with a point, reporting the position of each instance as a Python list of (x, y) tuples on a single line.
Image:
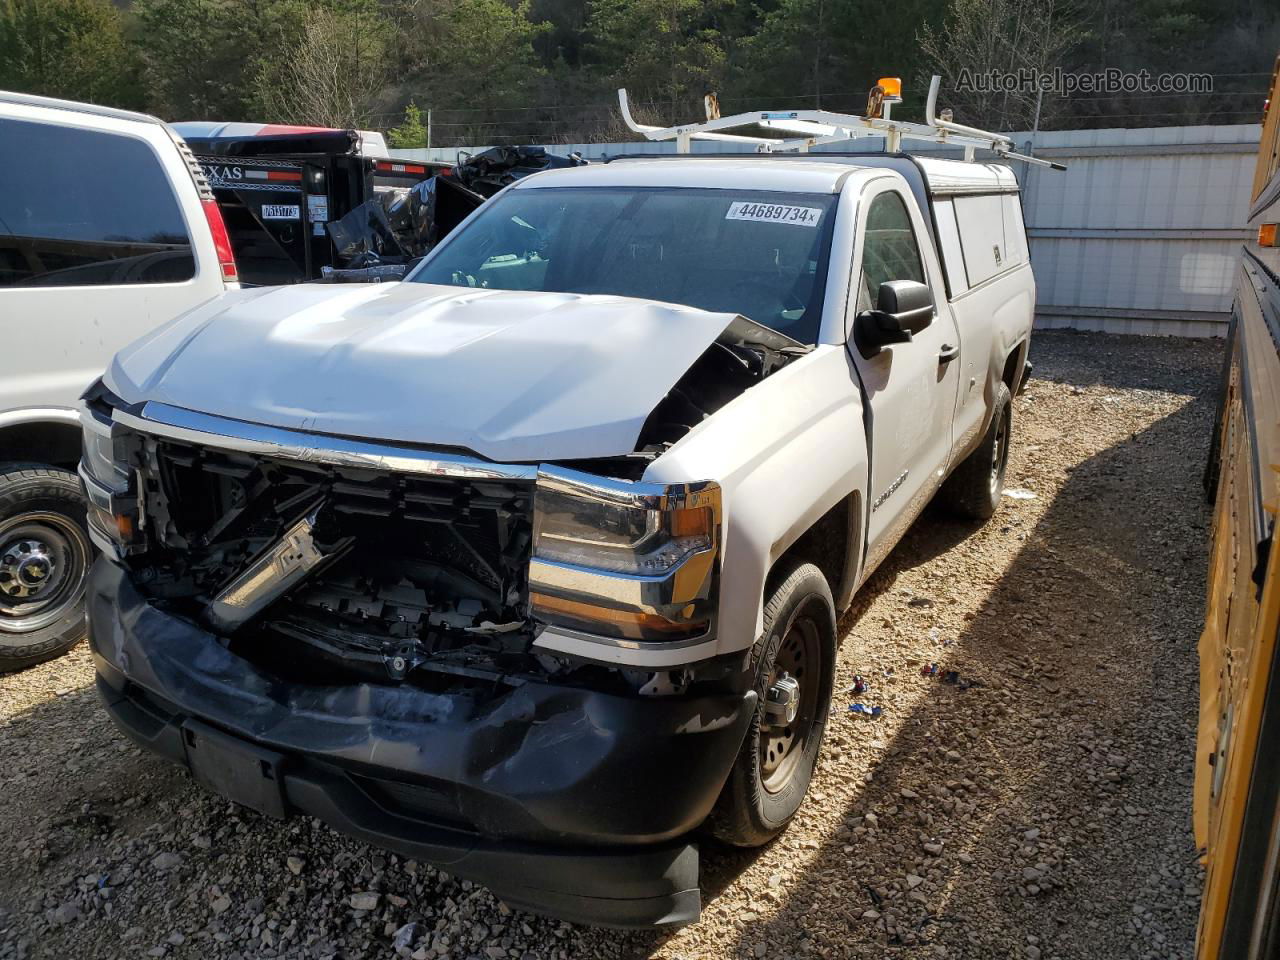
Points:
[(625, 623), (691, 523), (1267, 234)]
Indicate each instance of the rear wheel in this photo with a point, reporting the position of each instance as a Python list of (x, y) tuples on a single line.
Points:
[(973, 490), (794, 664), (44, 561)]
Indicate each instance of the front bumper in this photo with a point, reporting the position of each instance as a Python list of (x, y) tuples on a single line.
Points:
[(562, 800)]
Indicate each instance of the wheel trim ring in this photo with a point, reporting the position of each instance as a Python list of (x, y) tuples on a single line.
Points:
[(802, 638), (73, 565)]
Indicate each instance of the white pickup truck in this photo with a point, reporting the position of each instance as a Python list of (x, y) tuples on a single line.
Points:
[(531, 565)]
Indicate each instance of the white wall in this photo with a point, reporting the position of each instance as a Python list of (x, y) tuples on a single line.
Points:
[(1141, 234)]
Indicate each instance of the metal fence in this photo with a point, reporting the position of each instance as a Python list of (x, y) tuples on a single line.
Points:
[(1141, 234)]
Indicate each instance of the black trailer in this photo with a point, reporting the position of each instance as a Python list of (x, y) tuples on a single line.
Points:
[(278, 188)]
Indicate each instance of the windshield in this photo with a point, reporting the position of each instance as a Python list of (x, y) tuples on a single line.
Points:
[(758, 253)]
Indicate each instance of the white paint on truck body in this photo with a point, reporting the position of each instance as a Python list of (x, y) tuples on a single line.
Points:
[(541, 376)]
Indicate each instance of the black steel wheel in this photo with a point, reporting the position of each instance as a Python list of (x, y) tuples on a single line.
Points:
[(785, 733), (44, 562), (975, 486), (794, 665)]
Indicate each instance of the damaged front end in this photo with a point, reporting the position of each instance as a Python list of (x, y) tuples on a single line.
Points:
[(332, 573), (508, 668), (386, 634), (332, 564)]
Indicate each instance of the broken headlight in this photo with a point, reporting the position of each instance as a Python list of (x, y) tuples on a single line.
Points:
[(635, 561), (113, 507)]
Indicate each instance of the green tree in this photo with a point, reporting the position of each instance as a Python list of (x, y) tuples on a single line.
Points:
[(332, 75), (412, 132), (75, 49), (831, 52), (476, 54), (659, 49), (201, 55)]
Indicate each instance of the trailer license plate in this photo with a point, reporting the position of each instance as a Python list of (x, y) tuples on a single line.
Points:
[(280, 211)]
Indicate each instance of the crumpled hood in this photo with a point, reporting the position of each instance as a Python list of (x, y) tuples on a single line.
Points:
[(511, 376)]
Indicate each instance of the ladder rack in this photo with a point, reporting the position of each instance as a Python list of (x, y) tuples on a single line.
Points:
[(822, 126)]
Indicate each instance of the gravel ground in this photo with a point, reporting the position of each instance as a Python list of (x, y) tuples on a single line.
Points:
[(1038, 808)]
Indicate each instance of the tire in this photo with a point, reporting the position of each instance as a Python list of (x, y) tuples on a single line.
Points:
[(765, 788), (44, 560), (973, 490)]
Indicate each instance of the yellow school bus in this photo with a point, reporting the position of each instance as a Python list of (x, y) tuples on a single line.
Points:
[(1237, 801)]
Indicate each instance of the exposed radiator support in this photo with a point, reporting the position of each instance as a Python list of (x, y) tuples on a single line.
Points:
[(269, 577)]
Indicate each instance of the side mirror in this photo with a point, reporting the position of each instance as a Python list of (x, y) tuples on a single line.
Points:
[(903, 308)]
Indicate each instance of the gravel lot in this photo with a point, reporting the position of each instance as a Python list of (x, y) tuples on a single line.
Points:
[(1042, 812)]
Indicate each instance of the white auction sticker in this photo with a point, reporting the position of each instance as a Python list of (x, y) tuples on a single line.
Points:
[(774, 213), (280, 211)]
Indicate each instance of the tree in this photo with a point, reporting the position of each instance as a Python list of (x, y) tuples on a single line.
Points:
[(202, 55), (411, 133), (75, 49), (831, 52), (332, 76), (476, 55), (669, 50), (1004, 36)]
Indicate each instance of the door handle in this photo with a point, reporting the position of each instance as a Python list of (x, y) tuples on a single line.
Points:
[(948, 353)]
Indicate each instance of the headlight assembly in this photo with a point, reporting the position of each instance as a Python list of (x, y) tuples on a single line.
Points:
[(632, 561), (113, 506)]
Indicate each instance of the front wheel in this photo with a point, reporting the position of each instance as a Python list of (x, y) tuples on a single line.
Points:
[(973, 490), (794, 662), (44, 560)]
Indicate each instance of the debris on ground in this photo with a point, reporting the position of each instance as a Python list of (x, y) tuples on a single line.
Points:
[(1018, 493)]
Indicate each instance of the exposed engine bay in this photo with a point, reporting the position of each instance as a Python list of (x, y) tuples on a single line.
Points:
[(325, 573), (372, 571), (742, 356)]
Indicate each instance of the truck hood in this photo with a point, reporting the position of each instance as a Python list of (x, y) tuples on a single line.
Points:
[(510, 376)]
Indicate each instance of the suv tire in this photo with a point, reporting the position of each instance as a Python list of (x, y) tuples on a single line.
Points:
[(44, 560), (973, 490), (771, 774)]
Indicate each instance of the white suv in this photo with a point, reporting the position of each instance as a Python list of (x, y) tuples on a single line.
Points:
[(107, 230)]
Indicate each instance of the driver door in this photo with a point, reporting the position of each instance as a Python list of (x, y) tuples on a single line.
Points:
[(909, 388)]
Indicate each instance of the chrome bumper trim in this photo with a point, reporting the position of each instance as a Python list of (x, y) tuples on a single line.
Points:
[(189, 426)]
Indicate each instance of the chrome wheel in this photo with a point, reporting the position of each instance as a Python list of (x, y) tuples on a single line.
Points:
[(790, 703), (43, 561)]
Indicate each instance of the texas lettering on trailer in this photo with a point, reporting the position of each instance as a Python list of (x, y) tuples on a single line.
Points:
[(259, 176)]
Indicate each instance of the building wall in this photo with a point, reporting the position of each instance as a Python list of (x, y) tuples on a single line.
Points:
[(1141, 233)]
